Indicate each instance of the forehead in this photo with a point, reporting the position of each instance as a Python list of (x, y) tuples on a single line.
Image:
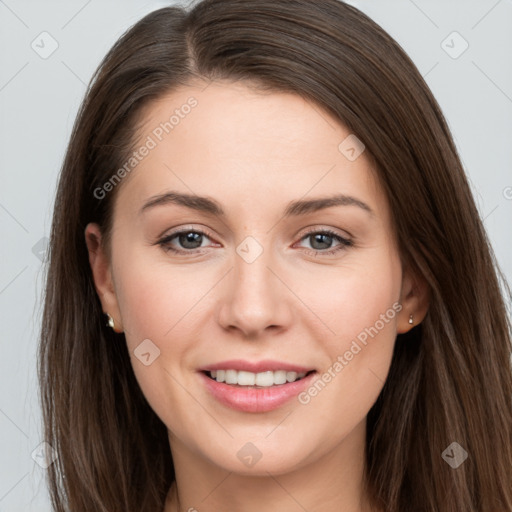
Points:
[(246, 146)]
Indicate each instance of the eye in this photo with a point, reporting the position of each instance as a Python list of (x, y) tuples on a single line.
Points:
[(323, 238), (189, 239)]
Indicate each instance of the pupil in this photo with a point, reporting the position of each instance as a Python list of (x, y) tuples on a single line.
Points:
[(315, 237), (192, 238)]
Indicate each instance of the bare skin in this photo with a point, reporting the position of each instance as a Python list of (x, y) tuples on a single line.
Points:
[(255, 153)]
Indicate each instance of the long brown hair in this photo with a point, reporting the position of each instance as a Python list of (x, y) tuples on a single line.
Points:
[(450, 378)]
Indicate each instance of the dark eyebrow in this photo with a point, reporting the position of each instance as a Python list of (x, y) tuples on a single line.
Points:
[(201, 204), (312, 205), (295, 208)]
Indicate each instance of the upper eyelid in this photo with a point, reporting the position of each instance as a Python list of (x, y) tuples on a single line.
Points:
[(310, 231), (335, 231), (302, 234)]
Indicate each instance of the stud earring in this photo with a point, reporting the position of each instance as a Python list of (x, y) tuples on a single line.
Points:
[(411, 321), (111, 324)]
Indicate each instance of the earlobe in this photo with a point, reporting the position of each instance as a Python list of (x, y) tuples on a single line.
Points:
[(415, 301), (102, 274)]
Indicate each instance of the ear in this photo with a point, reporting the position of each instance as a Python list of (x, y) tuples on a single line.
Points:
[(414, 298), (102, 274)]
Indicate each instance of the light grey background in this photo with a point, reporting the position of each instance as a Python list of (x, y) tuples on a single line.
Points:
[(39, 98)]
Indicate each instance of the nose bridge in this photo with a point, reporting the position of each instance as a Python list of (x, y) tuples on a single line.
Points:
[(253, 280), (255, 299)]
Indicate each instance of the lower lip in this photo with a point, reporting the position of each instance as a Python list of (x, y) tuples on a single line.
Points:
[(249, 399)]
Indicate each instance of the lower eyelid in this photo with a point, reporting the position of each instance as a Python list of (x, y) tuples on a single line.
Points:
[(341, 239), (165, 242)]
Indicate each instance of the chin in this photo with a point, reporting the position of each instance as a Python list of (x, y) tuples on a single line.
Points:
[(255, 458)]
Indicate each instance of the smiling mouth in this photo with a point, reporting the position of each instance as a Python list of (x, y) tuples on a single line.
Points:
[(256, 380)]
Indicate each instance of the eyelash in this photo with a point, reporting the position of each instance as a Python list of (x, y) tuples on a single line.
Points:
[(344, 242)]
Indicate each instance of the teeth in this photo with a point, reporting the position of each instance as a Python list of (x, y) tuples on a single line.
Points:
[(231, 377), (262, 379), (291, 376), (245, 378)]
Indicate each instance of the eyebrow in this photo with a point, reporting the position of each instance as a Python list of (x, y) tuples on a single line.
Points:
[(294, 208)]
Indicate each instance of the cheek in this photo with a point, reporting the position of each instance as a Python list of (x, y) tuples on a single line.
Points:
[(349, 310), (354, 297), (361, 309), (158, 300), (158, 305), (359, 303), (353, 301)]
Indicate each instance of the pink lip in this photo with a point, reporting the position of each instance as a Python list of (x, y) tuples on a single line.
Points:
[(255, 367), (252, 399)]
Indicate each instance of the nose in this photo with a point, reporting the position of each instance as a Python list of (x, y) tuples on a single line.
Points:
[(254, 298)]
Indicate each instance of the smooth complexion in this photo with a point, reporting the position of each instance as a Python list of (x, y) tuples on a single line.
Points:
[(254, 153)]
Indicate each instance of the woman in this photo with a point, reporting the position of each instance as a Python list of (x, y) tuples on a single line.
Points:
[(196, 354)]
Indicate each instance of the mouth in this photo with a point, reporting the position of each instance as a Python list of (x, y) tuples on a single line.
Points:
[(255, 391), (260, 380)]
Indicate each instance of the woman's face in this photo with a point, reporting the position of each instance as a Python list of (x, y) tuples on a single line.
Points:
[(264, 285)]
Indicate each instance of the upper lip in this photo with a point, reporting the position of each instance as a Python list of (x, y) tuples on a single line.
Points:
[(256, 366)]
